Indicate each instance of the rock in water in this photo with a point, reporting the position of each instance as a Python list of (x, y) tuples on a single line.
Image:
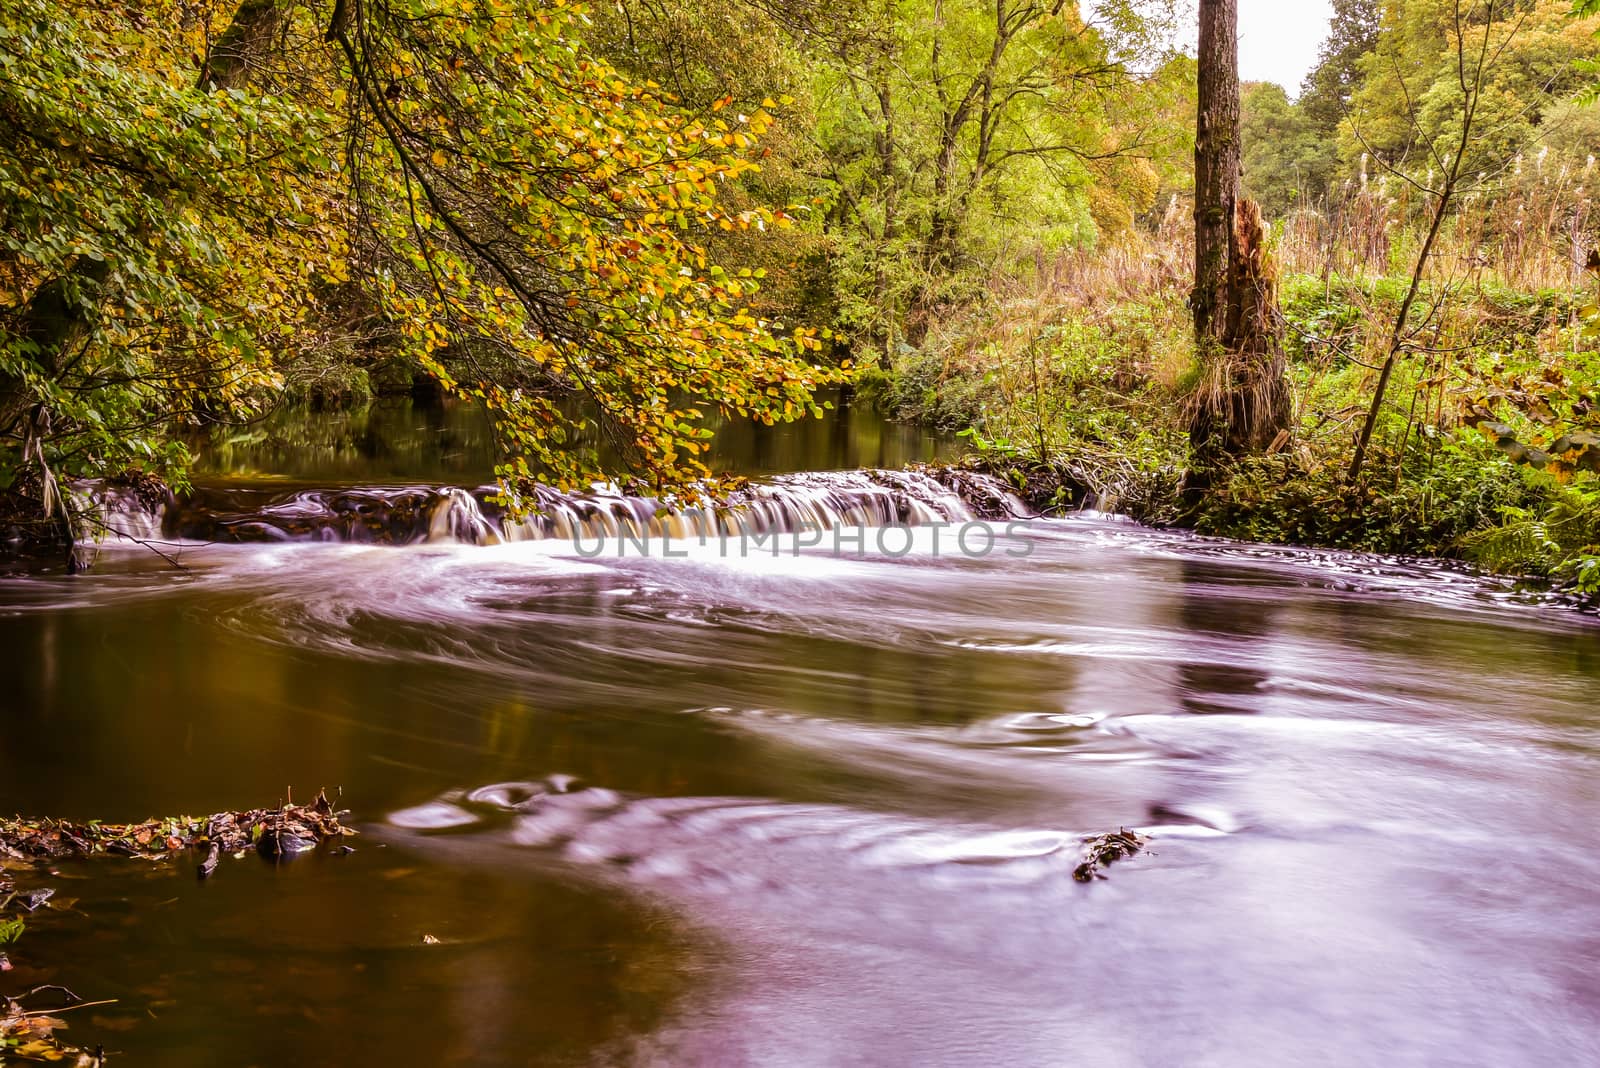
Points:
[(281, 843)]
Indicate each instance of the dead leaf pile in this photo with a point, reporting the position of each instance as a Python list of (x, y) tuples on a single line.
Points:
[(278, 831), (29, 1036)]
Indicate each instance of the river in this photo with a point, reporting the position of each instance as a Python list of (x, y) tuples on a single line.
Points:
[(802, 803)]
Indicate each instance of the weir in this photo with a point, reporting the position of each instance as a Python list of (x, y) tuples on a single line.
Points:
[(411, 514)]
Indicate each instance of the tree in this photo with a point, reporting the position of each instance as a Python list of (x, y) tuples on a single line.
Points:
[(521, 217), (146, 222), (1243, 402), (533, 219), (1406, 112), (950, 130), (730, 56), (1352, 34), (1447, 128), (1326, 92), (1282, 152)]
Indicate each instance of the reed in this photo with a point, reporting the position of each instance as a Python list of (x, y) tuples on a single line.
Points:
[(1528, 228)]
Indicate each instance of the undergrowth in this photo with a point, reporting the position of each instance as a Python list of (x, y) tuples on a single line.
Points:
[(1076, 381)]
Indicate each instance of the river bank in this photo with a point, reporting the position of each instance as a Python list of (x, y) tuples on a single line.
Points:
[(1098, 426), (1301, 512), (1080, 389)]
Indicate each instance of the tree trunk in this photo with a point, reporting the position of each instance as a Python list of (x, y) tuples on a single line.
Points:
[(891, 221), (1243, 402), (1217, 168), (248, 34)]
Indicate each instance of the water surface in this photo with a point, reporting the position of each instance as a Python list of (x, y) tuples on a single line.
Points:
[(818, 809), (401, 439)]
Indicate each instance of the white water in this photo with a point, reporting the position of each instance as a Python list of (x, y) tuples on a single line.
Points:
[(404, 515)]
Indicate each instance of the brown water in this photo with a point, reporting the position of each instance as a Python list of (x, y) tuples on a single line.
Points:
[(822, 809)]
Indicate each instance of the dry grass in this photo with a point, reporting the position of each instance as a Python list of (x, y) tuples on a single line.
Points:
[(1528, 229), (1501, 287), (1147, 270)]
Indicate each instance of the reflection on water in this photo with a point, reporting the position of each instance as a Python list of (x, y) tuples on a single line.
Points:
[(805, 809), (324, 962), (399, 439)]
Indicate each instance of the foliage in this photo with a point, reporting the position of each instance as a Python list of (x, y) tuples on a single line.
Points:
[(535, 216), (206, 207), (732, 56), (1407, 110), (957, 135), (1291, 148), (1050, 387), (1590, 93), (1325, 96), (1543, 413), (1057, 382), (1446, 496), (1081, 376), (1558, 538), (172, 212), (1284, 154), (1385, 94)]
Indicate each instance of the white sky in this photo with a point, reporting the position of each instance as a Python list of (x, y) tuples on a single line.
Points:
[(1278, 39)]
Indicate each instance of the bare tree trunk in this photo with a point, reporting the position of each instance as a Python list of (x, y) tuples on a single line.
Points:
[(1217, 167), (1243, 404)]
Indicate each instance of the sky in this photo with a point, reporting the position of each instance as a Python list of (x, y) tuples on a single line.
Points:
[(1278, 39)]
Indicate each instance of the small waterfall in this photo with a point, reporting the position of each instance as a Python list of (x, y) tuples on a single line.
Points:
[(788, 504), (373, 516), (121, 511), (457, 516), (785, 505)]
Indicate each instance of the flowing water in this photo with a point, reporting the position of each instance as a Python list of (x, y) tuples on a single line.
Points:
[(791, 802)]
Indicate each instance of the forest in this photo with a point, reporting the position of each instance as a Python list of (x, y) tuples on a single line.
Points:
[(611, 226), (788, 532)]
